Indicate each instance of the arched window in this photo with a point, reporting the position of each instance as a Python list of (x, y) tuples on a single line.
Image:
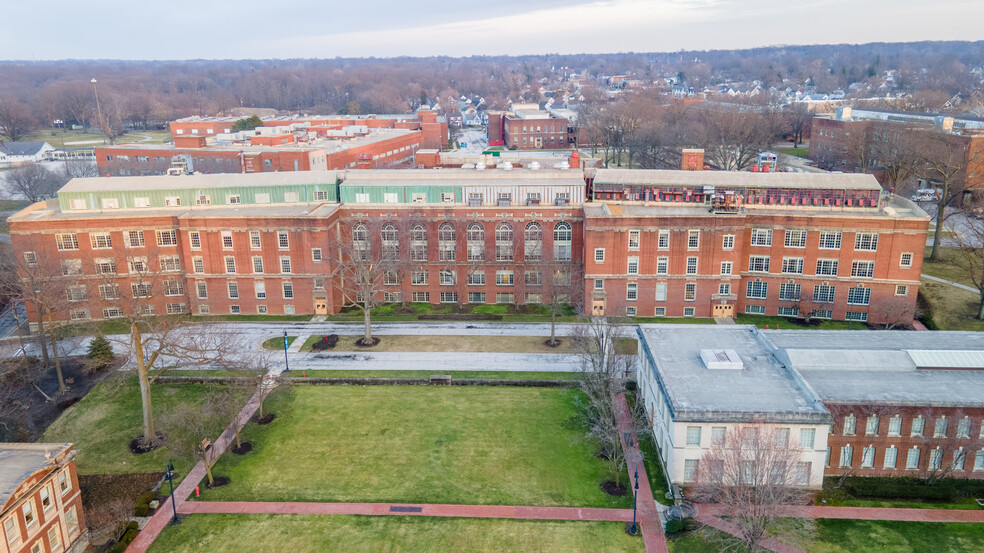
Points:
[(360, 240), (391, 240), (562, 241), (503, 242), (418, 242), (445, 242), (533, 242), (476, 242)]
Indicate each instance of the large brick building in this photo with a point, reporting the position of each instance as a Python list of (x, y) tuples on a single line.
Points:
[(702, 244), (527, 127), (40, 502), (264, 153), (650, 243)]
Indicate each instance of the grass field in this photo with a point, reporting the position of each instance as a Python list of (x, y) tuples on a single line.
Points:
[(477, 445), (950, 266), (674, 320), (102, 424), (473, 343), (510, 375), (228, 533), (762, 321), (953, 308), (862, 536), (802, 151), (277, 342), (77, 139)]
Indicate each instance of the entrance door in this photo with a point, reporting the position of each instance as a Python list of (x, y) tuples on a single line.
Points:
[(539, 142), (598, 308), (320, 307), (723, 311)]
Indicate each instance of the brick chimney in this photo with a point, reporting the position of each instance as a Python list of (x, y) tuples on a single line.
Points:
[(693, 160)]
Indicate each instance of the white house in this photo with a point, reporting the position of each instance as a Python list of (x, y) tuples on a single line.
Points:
[(699, 381), (14, 153)]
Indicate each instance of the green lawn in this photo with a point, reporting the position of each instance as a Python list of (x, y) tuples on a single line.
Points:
[(277, 342), (102, 424), (864, 536), (508, 375), (212, 372), (65, 138), (254, 318), (674, 320), (950, 266), (785, 322), (443, 342), (802, 151), (952, 308), (477, 445), (228, 533)]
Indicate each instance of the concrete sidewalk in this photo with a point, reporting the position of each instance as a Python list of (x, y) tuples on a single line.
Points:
[(648, 513), (951, 283)]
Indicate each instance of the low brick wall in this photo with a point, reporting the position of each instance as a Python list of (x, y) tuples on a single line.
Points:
[(326, 381)]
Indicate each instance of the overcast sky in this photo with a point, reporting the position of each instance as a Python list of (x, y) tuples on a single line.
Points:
[(218, 29)]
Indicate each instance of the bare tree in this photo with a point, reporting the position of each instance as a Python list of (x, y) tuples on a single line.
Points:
[(944, 165), (796, 119), (34, 182), (970, 240), (948, 443), (733, 137), (16, 120), (897, 154), (893, 311), (753, 476), (109, 518), (191, 429), (80, 168)]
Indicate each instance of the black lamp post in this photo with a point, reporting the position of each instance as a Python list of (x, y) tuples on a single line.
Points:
[(635, 502), (170, 480), (286, 345)]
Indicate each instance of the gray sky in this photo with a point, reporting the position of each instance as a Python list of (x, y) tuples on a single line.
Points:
[(186, 29)]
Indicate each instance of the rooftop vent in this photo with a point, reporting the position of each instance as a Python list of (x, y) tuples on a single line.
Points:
[(718, 359)]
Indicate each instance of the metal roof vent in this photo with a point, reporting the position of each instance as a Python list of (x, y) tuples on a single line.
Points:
[(718, 359)]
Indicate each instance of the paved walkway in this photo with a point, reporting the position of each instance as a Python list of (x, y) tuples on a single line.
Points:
[(652, 527), (724, 321), (414, 509), (951, 283), (729, 528), (295, 346), (164, 514), (872, 513)]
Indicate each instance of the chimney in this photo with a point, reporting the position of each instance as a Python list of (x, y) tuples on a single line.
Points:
[(693, 160)]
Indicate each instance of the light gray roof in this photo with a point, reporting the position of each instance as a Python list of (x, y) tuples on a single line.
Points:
[(18, 461), (462, 177), (887, 367), (22, 148), (763, 390), (737, 179), (52, 210), (185, 182)]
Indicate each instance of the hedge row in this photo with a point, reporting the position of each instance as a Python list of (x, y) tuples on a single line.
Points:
[(946, 489), (531, 383), (459, 317), (128, 537)]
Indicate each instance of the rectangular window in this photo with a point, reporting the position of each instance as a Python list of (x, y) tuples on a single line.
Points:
[(227, 239), (172, 201), (906, 261), (446, 277), (693, 239), (690, 469), (504, 297), (233, 290), (871, 426), (112, 313), (724, 289), (788, 312), (233, 199), (847, 452), (599, 284), (176, 308), (319, 283), (105, 266), (659, 312), (254, 240), (194, 238), (792, 265), (109, 291), (891, 456), (632, 291), (664, 240), (67, 242), (827, 267), (789, 292), (320, 195), (100, 240), (79, 203), (693, 435), (901, 290), (660, 291), (979, 461), (963, 428), (940, 428), (170, 263), (807, 437), (235, 309), (478, 279), (260, 288), (420, 297), (866, 242), (288, 290), (795, 239), (662, 265), (449, 297), (282, 240), (755, 310), (54, 538), (830, 240), (504, 278), (634, 239), (71, 267), (167, 237), (285, 266), (855, 316), (290, 197), (918, 427), (316, 255), (868, 457), (758, 264), (257, 264), (729, 242), (691, 265), (895, 426), (718, 434), (690, 292), (823, 293), (418, 278), (198, 265), (599, 255), (850, 425), (757, 290), (633, 266), (532, 298), (858, 296), (761, 237), (31, 259), (173, 288), (476, 297), (863, 269), (30, 519), (230, 265), (110, 203), (202, 289), (912, 459), (726, 267)]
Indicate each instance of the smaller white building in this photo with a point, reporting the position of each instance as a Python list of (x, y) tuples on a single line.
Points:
[(15, 153), (698, 382)]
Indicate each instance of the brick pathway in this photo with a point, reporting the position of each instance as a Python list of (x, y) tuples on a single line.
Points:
[(413, 509), (164, 514), (652, 528)]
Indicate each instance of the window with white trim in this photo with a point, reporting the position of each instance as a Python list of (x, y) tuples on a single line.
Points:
[(173, 288), (866, 242), (847, 452), (230, 265), (693, 239), (194, 238), (260, 288), (761, 237), (755, 310), (728, 243), (868, 457), (863, 269), (663, 242), (795, 239), (690, 291), (254, 240), (662, 265), (918, 426), (905, 261), (788, 312), (830, 240), (823, 293), (449, 297), (202, 289), (100, 240), (690, 469), (688, 311), (692, 265), (446, 277), (726, 267), (940, 427), (758, 264), (660, 291), (316, 255), (724, 289), (855, 316), (66, 242), (901, 290), (807, 437), (756, 290), (633, 266), (634, 238), (418, 278), (792, 265), (504, 278), (693, 435), (659, 312), (285, 268), (891, 456), (827, 267), (912, 459), (476, 297), (599, 255), (283, 241), (963, 428), (170, 263), (789, 291), (167, 237), (858, 296), (632, 291), (288, 289), (105, 266)]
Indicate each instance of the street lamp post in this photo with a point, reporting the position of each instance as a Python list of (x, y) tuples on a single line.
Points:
[(286, 345), (170, 480), (98, 109), (635, 502)]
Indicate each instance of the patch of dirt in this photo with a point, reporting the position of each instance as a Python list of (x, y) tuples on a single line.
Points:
[(243, 449), (361, 342), (99, 489), (555, 343), (139, 446), (218, 483), (265, 419), (328, 343), (609, 487)]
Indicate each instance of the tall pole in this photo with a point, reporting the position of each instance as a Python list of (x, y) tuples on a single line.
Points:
[(174, 506), (98, 109), (286, 345), (635, 501)]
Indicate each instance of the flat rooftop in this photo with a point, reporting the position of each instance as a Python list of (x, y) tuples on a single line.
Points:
[(889, 206), (762, 390), (199, 181), (887, 367), (51, 209), (463, 177), (737, 179), (298, 117), (18, 461), (330, 144)]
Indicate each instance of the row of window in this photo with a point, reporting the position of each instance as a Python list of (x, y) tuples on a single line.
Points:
[(828, 240), (200, 199), (32, 520), (756, 264), (822, 293), (103, 240), (860, 316), (800, 475), (941, 426), (806, 439), (912, 458)]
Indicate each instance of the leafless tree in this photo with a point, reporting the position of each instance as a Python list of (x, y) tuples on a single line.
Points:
[(897, 155), (948, 447), (970, 241), (894, 311), (80, 168), (109, 518), (192, 429), (797, 119), (16, 120), (733, 137), (752, 477), (944, 165), (33, 181)]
